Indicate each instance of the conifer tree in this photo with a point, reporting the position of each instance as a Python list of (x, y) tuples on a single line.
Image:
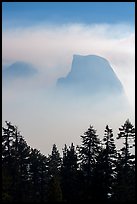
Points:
[(54, 191), (7, 144), (89, 151), (69, 173), (34, 172), (108, 163), (15, 154), (54, 162), (127, 132), (125, 183), (54, 166)]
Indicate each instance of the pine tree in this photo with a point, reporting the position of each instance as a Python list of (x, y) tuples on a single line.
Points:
[(54, 166), (125, 183), (127, 132), (7, 142), (15, 154), (69, 173), (22, 154), (43, 176), (54, 191), (108, 163), (89, 152), (70, 159), (34, 172), (54, 162)]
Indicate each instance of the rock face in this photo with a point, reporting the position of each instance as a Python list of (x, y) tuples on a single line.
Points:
[(19, 70), (91, 74)]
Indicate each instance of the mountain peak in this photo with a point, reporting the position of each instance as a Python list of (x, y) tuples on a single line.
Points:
[(88, 56), (19, 69), (91, 74)]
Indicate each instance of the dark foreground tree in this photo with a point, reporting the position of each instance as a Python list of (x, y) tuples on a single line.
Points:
[(69, 173), (89, 151), (54, 162), (127, 132), (93, 172), (54, 190), (38, 176), (54, 166), (15, 154), (125, 183)]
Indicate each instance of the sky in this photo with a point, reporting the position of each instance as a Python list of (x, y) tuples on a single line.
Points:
[(47, 35), (28, 14)]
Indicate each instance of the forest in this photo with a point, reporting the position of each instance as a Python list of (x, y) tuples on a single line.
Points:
[(94, 171)]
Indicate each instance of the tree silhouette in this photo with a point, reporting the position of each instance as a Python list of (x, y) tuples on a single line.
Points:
[(54, 192), (127, 132), (89, 152), (125, 183), (54, 166), (7, 141), (94, 171), (21, 164), (110, 156), (69, 174), (54, 162), (15, 154)]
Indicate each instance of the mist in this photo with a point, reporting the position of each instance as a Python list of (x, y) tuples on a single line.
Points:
[(50, 48), (45, 116)]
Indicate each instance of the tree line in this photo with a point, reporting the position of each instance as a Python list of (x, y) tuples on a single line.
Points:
[(94, 171)]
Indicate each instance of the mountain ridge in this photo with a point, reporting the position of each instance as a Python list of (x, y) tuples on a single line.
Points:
[(19, 69), (91, 73)]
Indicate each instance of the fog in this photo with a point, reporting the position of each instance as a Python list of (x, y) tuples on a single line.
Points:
[(45, 116), (48, 117)]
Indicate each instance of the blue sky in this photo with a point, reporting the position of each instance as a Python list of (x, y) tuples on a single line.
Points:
[(22, 14)]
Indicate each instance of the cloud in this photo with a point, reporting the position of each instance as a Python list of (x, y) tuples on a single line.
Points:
[(50, 48), (27, 103), (45, 119)]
